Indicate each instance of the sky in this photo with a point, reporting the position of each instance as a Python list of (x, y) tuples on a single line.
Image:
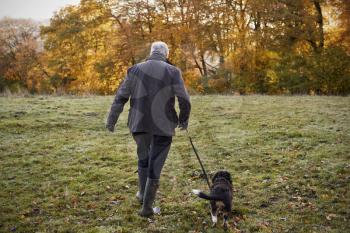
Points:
[(32, 9)]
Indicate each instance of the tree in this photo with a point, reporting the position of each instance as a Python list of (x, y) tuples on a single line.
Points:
[(20, 65), (225, 46), (81, 45)]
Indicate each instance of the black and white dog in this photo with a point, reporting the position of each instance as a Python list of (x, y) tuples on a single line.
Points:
[(220, 196)]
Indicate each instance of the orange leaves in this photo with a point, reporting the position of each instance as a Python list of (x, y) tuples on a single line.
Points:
[(193, 80)]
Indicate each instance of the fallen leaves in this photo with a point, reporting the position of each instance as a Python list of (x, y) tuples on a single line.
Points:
[(115, 202), (32, 212), (329, 217)]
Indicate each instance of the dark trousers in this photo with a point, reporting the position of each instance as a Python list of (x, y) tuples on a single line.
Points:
[(152, 151)]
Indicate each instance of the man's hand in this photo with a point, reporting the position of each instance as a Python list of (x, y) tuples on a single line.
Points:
[(183, 126), (110, 128)]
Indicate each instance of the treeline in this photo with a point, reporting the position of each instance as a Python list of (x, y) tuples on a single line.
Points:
[(222, 46)]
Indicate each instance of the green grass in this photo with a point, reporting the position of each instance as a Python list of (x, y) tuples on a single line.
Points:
[(61, 171)]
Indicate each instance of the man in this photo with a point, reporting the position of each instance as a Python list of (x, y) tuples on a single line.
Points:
[(152, 87)]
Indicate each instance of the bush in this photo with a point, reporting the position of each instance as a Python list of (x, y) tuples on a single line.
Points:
[(293, 74), (330, 71)]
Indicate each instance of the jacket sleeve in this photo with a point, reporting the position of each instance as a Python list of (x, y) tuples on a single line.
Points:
[(183, 99), (121, 97)]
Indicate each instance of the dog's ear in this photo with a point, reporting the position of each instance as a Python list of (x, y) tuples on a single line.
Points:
[(228, 176), (214, 177), (224, 174)]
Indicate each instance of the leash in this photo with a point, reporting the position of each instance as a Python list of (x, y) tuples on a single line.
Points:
[(198, 158)]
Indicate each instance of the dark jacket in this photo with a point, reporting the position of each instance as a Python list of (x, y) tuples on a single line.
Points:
[(152, 87)]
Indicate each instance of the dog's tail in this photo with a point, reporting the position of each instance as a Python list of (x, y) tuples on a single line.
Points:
[(200, 194)]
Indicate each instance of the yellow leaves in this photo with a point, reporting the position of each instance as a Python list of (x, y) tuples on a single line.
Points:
[(93, 43), (82, 43), (192, 80), (271, 54), (272, 76)]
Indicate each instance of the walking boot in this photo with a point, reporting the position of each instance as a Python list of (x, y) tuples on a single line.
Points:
[(149, 197), (142, 172)]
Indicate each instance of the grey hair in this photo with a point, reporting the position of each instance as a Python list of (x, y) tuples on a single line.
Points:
[(160, 47)]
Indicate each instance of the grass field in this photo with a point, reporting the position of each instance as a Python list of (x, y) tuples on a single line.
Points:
[(61, 171)]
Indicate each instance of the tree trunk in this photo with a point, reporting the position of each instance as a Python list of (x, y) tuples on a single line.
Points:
[(319, 21), (204, 66)]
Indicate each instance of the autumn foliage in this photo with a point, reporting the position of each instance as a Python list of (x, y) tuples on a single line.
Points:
[(221, 46)]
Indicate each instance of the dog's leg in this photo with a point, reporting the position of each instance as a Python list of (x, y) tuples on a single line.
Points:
[(227, 212), (214, 218), (213, 212), (225, 220)]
